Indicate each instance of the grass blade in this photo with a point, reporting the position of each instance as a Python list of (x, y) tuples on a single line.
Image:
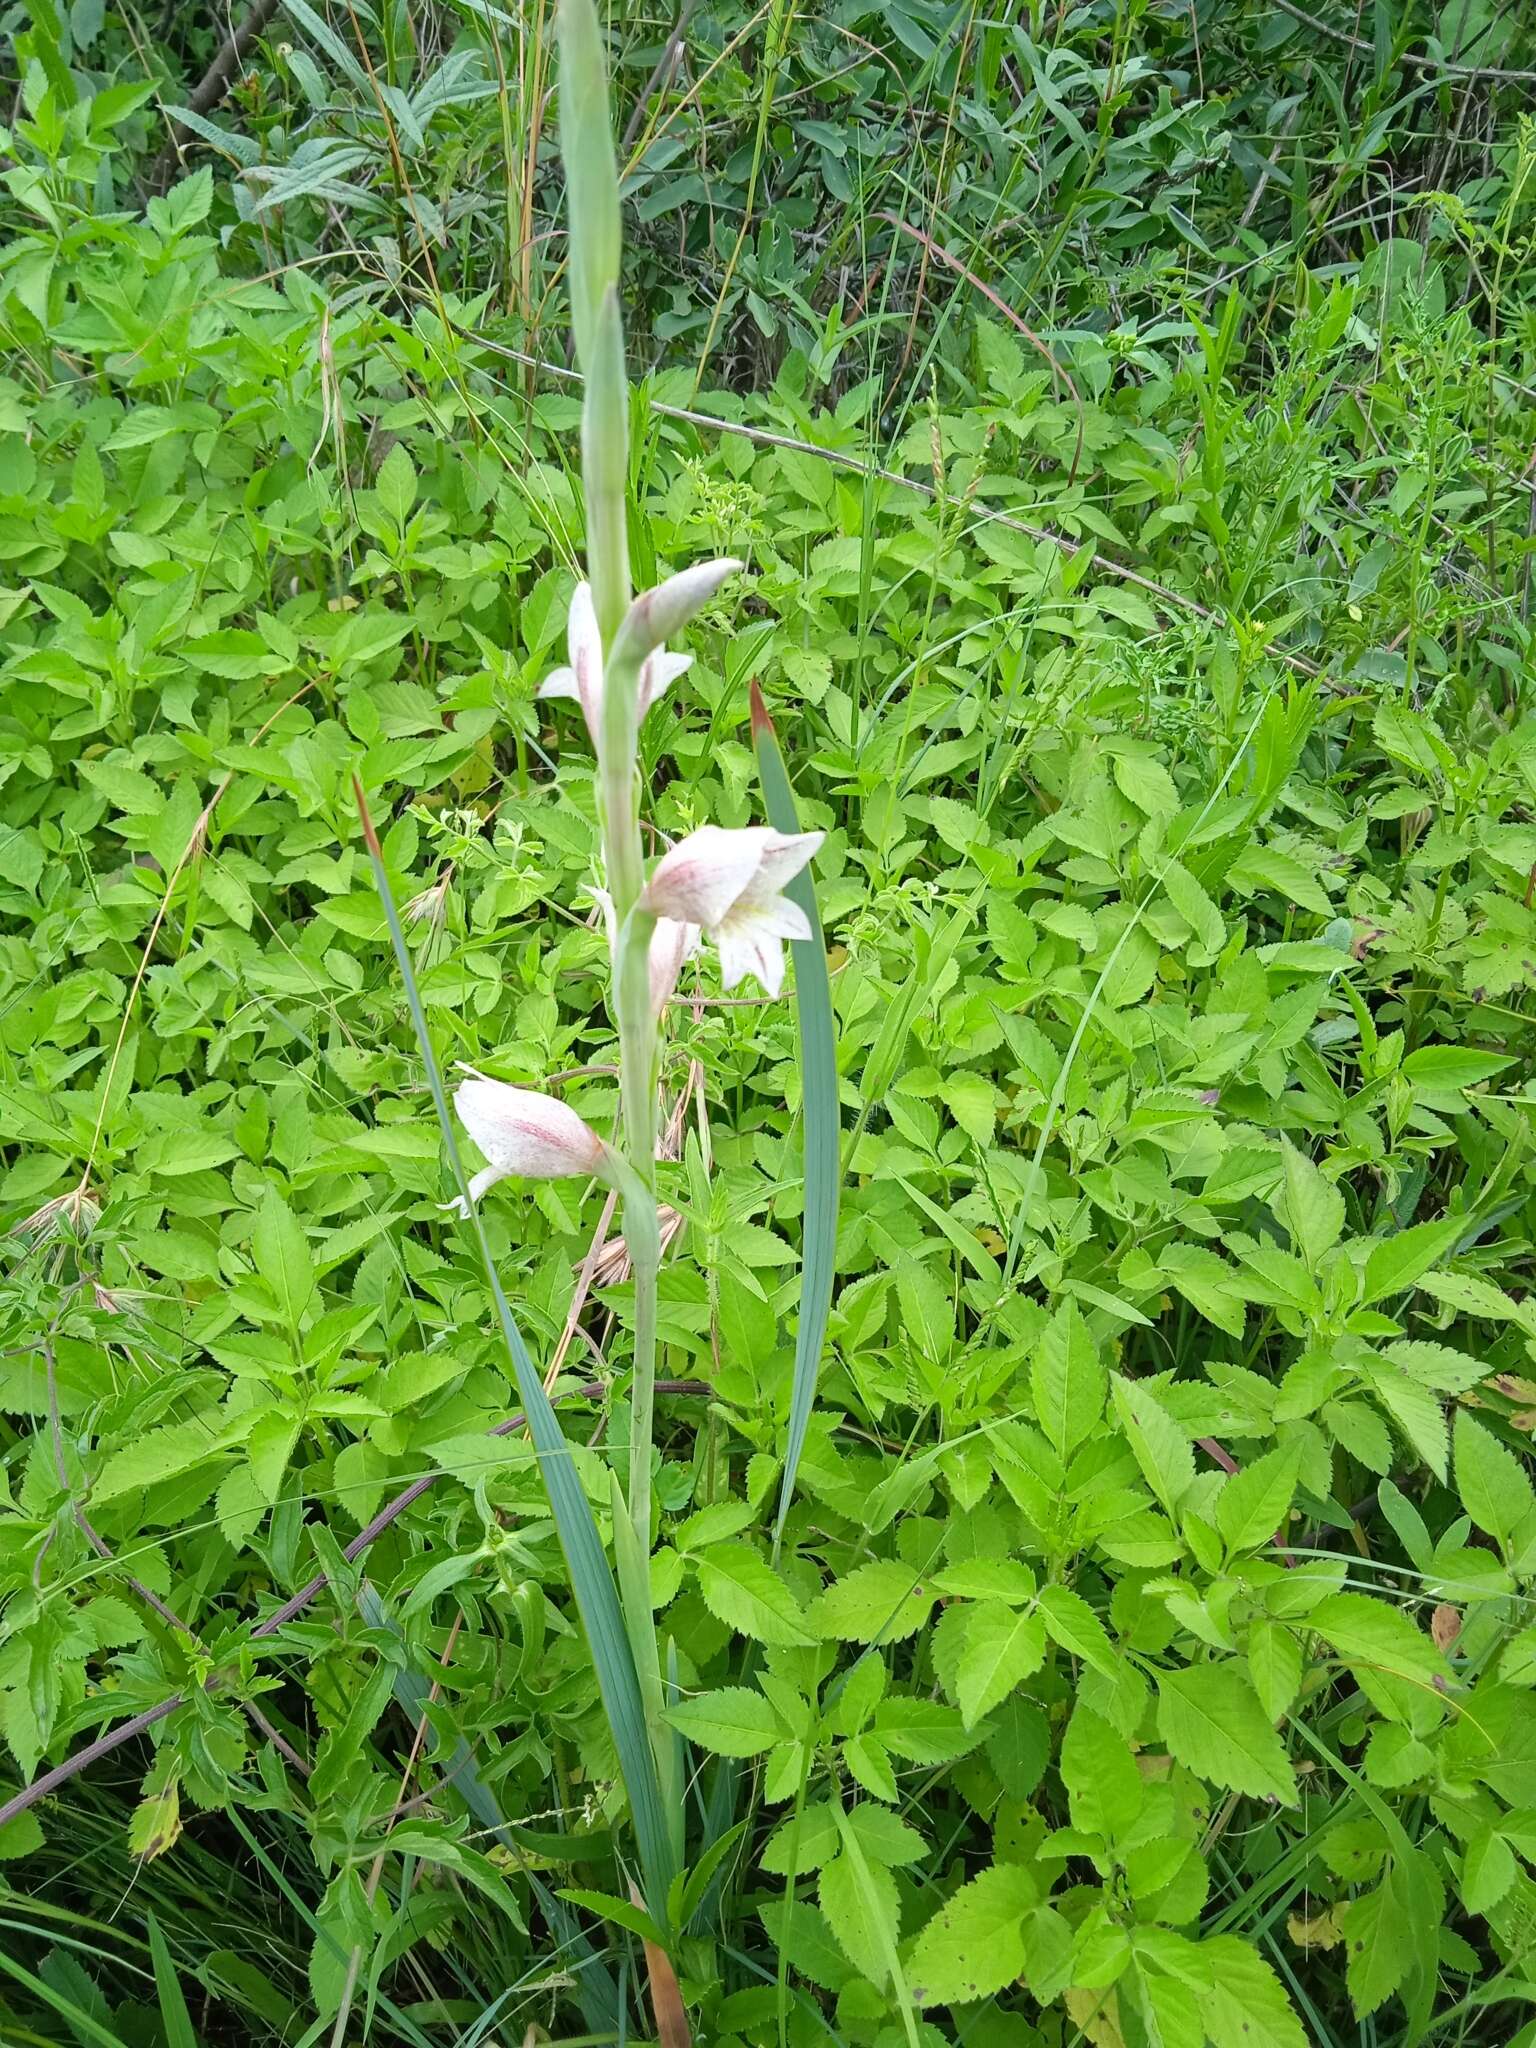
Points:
[(174, 2017), (822, 1117), (595, 1990), (592, 1584)]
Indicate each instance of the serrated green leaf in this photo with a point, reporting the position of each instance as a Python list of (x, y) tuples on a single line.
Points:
[(743, 1590), (880, 1602), (1103, 1783), (731, 1721), (1253, 1503), (863, 1909), (1068, 1380), (1071, 1622), (1494, 1488), (1210, 1717), (1002, 1648), (974, 1945), (1162, 1449)]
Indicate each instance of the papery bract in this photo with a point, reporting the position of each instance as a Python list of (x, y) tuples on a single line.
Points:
[(521, 1132), (730, 882)]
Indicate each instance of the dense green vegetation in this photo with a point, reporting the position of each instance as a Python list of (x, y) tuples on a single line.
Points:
[(1123, 414)]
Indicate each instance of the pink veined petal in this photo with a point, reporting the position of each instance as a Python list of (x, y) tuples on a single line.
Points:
[(747, 949), (560, 682), (672, 944), (778, 914), (585, 647), (784, 856), (524, 1133), (699, 879), (658, 672), (582, 639)]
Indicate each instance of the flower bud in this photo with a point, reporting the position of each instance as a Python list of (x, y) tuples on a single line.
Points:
[(658, 614), (521, 1132), (582, 678)]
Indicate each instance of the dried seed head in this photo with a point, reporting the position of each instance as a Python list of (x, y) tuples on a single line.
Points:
[(612, 1266), (72, 1215), (430, 906)]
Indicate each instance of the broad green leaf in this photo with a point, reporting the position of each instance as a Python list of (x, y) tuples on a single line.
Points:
[(1310, 1207), (1374, 1636), (974, 1945), (927, 1308), (1003, 1647), (883, 1837), (1192, 903), (1162, 1449), (972, 1102), (1395, 1263), (732, 1721), (1274, 1665), (743, 1590), (1447, 1069), (1103, 1783), (806, 1846), (1068, 1380), (159, 1454), (921, 1731), (1494, 1488), (1418, 1414), (1378, 1942), (1243, 2000), (863, 1909), (876, 1603), (1071, 1622), (269, 1447), (1488, 1869), (1252, 1505), (1210, 1717), (282, 1258)]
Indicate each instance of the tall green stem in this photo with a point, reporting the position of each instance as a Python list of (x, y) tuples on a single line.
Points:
[(637, 1087), (593, 199)]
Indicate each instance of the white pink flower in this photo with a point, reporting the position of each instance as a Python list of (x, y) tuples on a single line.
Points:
[(520, 1132), (730, 883), (672, 946), (582, 678)]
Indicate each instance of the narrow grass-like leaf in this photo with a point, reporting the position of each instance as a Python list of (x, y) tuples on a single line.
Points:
[(595, 1990), (174, 2017), (591, 172), (592, 1583), (821, 1117), (80, 2023)]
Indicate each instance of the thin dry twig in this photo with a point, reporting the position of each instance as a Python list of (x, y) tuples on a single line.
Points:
[(215, 81), (1435, 66), (1058, 368)]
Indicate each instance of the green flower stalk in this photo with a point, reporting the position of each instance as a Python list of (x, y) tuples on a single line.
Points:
[(725, 885)]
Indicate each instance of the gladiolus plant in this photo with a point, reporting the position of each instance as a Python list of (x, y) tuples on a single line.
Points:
[(716, 886)]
